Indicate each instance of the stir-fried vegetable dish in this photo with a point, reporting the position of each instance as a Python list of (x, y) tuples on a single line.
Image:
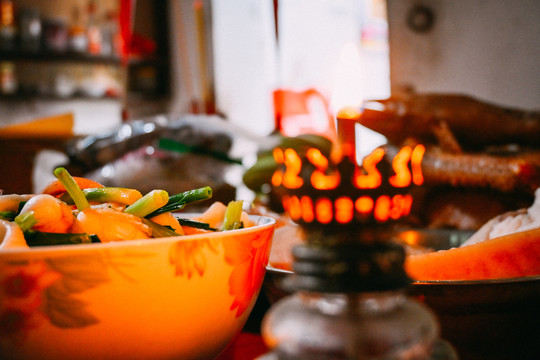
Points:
[(75, 210)]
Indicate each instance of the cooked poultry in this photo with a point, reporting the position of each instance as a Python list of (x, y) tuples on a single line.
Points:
[(481, 159), (505, 173), (474, 123)]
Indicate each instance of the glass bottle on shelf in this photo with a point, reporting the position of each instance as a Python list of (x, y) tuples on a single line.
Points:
[(8, 78), (93, 29), (55, 35), (30, 30), (78, 42), (8, 31), (109, 32)]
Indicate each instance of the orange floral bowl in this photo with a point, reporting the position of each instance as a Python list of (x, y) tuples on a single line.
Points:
[(183, 297)]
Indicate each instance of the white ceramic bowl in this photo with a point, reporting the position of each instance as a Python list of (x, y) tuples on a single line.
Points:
[(170, 298)]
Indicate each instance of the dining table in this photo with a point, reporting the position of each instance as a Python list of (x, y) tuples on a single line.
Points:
[(245, 346)]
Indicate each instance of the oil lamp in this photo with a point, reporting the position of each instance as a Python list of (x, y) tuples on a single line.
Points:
[(349, 283)]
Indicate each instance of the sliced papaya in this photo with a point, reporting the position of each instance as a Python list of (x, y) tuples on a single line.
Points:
[(509, 256)]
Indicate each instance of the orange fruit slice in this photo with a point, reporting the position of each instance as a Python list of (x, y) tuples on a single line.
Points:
[(508, 256)]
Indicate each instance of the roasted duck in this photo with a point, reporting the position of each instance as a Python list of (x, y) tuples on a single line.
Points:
[(474, 123), (505, 172), (481, 159)]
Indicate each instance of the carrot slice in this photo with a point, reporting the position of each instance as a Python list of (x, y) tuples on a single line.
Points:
[(509, 256), (56, 188)]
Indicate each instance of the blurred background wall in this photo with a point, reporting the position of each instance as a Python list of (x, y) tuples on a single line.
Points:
[(489, 49)]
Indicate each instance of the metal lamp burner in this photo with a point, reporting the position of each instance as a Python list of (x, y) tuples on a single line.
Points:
[(349, 279)]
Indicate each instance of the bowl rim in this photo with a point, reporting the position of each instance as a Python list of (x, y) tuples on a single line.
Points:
[(260, 221), (532, 278)]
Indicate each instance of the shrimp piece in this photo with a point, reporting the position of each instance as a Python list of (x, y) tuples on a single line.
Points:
[(11, 202), (168, 219), (51, 214), (56, 188), (11, 235), (110, 225)]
